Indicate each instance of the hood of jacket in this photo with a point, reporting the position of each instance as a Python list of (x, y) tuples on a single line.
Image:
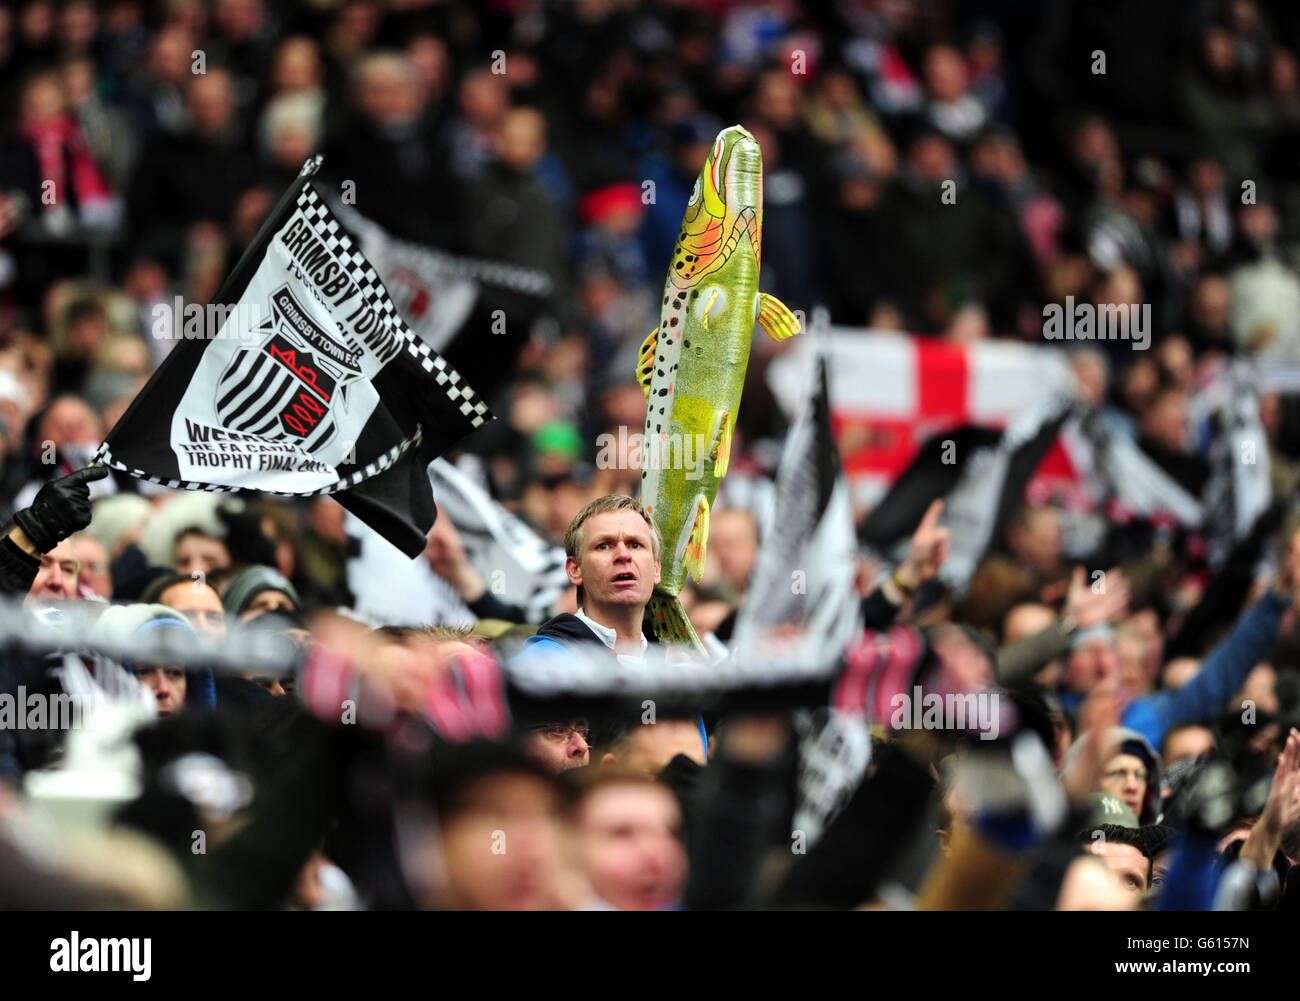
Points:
[(1122, 740)]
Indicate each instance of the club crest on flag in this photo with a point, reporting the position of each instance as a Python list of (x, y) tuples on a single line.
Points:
[(282, 386)]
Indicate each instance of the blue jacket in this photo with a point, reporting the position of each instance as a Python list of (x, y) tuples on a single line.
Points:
[(1221, 676), (555, 632)]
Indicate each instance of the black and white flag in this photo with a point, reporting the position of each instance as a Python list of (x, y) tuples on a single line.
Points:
[(1128, 475), (1240, 487), (992, 486), (803, 583), (981, 473), (802, 609), (518, 566), (306, 382), (436, 291)]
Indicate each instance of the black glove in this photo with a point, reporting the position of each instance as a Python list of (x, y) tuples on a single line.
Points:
[(61, 507)]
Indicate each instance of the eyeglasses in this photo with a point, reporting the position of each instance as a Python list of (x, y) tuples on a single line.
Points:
[(1120, 773), (561, 731)]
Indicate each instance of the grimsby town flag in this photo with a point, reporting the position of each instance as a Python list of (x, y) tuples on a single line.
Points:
[(310, 384)]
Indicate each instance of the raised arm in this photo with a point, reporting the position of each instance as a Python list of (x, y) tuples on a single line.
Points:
[(60, 508), (1227, 666)]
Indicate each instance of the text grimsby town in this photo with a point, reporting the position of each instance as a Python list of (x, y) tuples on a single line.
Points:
[(332, 281)]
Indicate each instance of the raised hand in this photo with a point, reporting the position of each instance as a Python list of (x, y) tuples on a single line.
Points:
[(1099, 713), (928, 551), (455, 685), (1089, 606), (446, 554), (1282, 809), (61, 508)]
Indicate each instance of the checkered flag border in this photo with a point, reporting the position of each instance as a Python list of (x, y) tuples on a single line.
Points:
[(373, 468), (376, 295)]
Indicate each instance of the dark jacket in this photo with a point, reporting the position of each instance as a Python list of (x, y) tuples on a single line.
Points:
[(560, 629), (510, 217), (566, 628), (17, 569), (401, 180), (184, 179)]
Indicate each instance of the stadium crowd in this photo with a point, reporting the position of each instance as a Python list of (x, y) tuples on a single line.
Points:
[(1147, 756)]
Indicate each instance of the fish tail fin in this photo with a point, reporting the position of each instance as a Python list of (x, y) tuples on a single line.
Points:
[(669, 621), (722, 447), (775, 318), (693, 559), (645, 363)]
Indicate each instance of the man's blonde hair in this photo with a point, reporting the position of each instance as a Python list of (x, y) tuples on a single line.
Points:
[(450, 634), (610, 502)]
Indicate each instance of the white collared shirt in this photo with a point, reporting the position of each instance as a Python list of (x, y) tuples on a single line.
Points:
[(609, 636)]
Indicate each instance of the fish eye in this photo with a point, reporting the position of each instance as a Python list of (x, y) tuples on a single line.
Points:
[(695, 192)]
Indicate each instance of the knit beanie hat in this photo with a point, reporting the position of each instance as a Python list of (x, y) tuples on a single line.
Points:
[(244, 587)]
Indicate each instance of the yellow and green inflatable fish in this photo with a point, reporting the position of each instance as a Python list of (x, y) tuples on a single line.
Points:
[(692, 367)]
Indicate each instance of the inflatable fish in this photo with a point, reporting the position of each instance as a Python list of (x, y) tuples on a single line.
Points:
[(692, 367)]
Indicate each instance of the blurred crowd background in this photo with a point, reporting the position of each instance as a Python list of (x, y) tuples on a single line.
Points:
[(1114, 152)]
